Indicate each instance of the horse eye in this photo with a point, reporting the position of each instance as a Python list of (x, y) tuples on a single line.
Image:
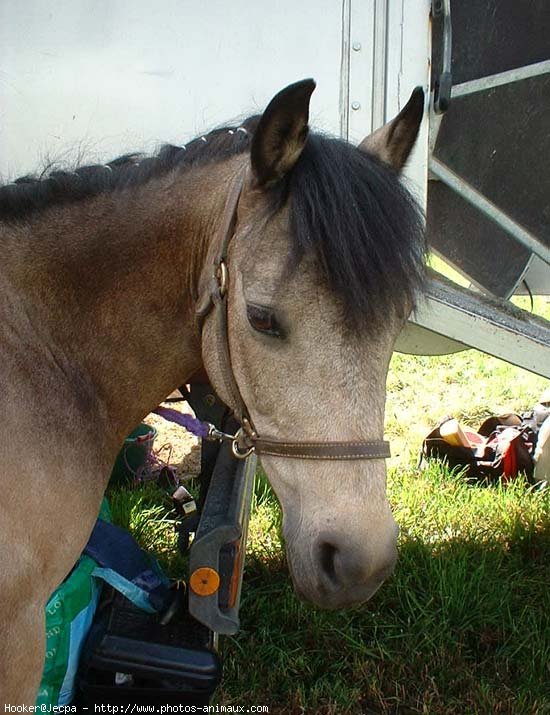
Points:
[(263, 320)]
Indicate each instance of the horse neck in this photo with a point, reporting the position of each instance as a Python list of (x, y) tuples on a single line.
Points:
[(110, 286)]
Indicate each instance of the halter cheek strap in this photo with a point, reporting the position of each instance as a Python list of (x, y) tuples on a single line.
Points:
[(215, 300), (247, 440)]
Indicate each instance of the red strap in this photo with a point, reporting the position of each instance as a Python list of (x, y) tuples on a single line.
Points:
[(509, 456)]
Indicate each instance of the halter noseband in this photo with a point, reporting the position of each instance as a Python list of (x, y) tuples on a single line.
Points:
[(247, 440)]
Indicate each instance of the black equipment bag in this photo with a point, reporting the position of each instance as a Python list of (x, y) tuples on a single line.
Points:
[(503, 448)]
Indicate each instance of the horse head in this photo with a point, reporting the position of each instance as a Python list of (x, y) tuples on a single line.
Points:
[(324, 255)]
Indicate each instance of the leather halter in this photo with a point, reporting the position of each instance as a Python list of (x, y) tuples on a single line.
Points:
[(247, 440)]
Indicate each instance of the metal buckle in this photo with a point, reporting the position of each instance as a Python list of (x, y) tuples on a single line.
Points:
[(222, 276), (215, 434)]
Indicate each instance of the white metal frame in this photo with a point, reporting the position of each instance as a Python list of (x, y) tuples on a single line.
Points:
[(501, 78), (386, 49), (438, 170)]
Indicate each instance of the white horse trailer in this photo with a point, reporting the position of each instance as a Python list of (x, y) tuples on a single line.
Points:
[(95, 79)]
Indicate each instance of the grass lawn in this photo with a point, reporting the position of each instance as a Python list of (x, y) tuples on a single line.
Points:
[(463, 625)]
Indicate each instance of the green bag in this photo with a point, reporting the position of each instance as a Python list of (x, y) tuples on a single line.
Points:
[(69, 615), (111, 556)]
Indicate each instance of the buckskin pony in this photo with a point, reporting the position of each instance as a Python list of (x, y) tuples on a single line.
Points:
[(104, 271)]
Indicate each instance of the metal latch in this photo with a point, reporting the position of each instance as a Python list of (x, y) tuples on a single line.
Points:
[(444, 83)]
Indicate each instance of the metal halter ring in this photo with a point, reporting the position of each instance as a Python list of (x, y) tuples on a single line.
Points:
[(237, 452), (215, 434)]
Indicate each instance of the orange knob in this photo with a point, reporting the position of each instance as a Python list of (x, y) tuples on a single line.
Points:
[(204, 581)]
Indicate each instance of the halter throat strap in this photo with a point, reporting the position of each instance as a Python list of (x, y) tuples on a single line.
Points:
[(214, 300)]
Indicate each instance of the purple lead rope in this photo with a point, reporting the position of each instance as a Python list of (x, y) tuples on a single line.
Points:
[(191, 424)]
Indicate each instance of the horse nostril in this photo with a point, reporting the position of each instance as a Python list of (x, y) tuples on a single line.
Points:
[(346, 565), (327, 553), (348, 570)]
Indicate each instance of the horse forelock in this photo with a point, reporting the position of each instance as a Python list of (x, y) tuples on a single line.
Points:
[(365, 229)]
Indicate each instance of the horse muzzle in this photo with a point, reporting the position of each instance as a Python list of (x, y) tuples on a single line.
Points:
[(342, 570)]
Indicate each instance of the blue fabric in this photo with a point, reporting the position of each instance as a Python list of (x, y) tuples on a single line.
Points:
[(127, 568), (115, 548), (128, 589)]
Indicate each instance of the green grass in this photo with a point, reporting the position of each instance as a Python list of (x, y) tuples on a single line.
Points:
[(463, 625), (147, 513)]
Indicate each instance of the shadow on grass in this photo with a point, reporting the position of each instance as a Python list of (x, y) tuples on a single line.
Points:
[(462, 627)]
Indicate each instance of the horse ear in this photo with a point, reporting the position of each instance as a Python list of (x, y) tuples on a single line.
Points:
[(394, 141), (281, 133)]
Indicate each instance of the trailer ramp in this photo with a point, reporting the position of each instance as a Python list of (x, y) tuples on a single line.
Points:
[(451, 318)]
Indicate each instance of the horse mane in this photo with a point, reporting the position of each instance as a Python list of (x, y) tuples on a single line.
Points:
[(346, 207), (28, 195)]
